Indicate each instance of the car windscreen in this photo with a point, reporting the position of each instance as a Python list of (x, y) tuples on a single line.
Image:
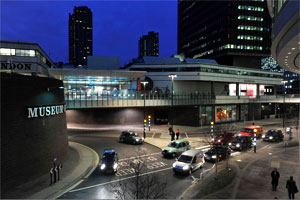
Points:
[(247, 130), (185, 159), (270, 133), (237, 139), (134, 134), (172, 144), (108, 157)]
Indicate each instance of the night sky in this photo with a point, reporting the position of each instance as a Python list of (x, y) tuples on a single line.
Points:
[(117, 25)]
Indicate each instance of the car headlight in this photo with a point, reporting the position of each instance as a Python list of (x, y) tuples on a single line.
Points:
[(186, 167), (102, 166), (214, 156), (271, 137), (174, 165), (115, 166), (205, 155), (229, 143), (219, 140), (238, 145), (263, 136), (137, 140), (212, 139)]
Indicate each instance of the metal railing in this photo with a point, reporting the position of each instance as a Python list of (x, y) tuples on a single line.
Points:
[(137, 100)]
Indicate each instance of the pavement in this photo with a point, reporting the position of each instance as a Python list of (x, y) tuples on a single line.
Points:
[(82, 161)]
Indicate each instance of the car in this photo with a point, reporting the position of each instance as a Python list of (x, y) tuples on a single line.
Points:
[(175, 148), (131, 137), (189, 161), (223, 138), (109, 161), (251, 130), (273, 136), (217, 153), (240, 143)]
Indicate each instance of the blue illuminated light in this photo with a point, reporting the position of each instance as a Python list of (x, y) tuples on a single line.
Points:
[(110, 151)]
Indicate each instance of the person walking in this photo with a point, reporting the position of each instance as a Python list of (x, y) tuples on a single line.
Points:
[(275, 177), (172, 135), (292, 187), (177, 134)]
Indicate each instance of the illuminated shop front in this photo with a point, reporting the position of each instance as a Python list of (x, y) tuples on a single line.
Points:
[(84, 84), (250, 90), (226, 113)]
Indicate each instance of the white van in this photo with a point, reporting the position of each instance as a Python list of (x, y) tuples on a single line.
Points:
[(189, 161)]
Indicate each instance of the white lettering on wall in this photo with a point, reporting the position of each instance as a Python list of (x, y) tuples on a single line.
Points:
[(41, 111)]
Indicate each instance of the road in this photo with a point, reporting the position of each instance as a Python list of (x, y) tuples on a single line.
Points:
[(98, 186)]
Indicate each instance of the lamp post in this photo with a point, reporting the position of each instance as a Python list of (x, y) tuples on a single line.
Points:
[(283, 108), (172, 76), (144, 83)]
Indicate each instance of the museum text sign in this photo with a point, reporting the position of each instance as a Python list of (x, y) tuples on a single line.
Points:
[(42, 111)]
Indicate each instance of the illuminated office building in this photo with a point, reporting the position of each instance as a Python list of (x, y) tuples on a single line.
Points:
[(148, 45), (234, 33), (80, 35)]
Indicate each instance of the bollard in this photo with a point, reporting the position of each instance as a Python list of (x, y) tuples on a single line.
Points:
[(59, 168), (51, 174), (54, 175)]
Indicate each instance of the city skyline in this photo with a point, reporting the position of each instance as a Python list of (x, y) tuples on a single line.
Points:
[(117, 26)]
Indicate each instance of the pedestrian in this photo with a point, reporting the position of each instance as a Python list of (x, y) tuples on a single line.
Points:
[(275, 177), (172, 135), (177, 134), (292, 187)]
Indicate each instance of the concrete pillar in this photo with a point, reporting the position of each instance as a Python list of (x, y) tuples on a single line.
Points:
[(257, 90), (237, 89), (212, 89)]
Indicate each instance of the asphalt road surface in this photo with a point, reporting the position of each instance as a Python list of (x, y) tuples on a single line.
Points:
[(98, 186)]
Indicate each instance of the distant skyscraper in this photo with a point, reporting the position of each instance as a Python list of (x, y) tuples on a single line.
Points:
[(80, 35), (148, 45), (231, 32)]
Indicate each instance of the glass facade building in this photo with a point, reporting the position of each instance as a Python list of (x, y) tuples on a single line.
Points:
[(231, 32)]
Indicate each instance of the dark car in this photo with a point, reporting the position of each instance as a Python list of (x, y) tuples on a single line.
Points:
[(223, 138), (240, 143), (217, 151), (131, 137), (273, 136), (109, 161)]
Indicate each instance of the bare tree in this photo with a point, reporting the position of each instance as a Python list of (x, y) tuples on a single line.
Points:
[(143, 184)]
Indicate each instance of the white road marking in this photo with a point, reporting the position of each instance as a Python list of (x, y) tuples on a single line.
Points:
[(203, 147), (122, 179), (130, 158)]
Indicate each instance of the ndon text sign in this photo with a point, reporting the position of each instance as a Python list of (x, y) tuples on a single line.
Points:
[(41, 111)]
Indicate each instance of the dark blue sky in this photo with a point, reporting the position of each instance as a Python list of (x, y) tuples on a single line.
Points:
[(117, 25)]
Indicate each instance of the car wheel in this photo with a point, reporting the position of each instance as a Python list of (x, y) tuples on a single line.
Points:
[(190, 171), (174, 155), (121, 140), (134, 142)]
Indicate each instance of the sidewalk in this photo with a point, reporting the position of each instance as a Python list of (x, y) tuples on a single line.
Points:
[(80, 163)]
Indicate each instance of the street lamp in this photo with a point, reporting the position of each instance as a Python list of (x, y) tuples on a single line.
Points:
[(144, 83), (172, 76), (283, 108)]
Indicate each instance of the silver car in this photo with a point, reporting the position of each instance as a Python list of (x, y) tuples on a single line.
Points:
[(189, 161)]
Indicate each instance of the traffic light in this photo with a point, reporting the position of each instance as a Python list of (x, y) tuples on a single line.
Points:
[(212, 129), (149, 121)]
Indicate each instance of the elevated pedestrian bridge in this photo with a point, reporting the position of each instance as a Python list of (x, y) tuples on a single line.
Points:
[(178, 100)]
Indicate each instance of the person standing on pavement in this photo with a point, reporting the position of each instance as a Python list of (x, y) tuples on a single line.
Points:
[(171, 133), (177, 134), (292, 187), (275, 177)]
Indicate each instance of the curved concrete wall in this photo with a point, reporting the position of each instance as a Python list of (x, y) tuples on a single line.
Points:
[(28, 145)]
